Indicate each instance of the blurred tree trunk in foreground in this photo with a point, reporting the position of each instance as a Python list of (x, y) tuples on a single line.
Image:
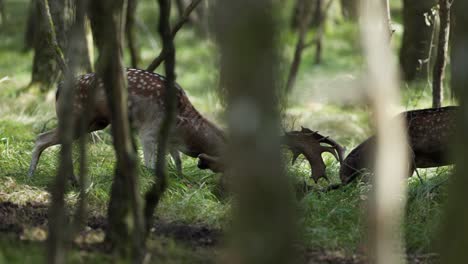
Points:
[(455, 232), (388, 193), (441, 56), (125, 224), (417, 38), (263, 216)]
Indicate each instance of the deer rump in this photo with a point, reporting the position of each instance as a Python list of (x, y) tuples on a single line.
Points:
[(429, 133), (309, 143)]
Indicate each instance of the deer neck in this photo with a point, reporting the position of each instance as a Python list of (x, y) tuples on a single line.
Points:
[(197, 135)]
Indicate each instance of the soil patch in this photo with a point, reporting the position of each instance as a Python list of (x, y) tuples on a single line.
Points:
[(14, 219)]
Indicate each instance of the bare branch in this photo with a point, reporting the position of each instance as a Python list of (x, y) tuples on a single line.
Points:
[(306, 17), (164, 53)]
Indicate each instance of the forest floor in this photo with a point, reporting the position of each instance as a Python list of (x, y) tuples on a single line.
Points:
[(27, 224), (194, 212)]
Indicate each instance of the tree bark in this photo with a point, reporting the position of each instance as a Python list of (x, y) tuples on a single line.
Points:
[(441, 56), (125, 231), (262, 215), (153, 196), (454, 238), (417, 39)]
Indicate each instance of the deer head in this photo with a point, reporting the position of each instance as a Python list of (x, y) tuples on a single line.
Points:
[(306, 142)]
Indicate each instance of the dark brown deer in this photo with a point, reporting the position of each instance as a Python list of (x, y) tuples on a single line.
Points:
[(429, 134), (193, 134), (309, 143)]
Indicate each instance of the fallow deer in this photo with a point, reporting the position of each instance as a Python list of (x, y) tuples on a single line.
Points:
[(429, 134), (192, 135)]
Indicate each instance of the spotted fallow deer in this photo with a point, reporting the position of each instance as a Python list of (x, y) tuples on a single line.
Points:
[(429, 133), (192, 135)]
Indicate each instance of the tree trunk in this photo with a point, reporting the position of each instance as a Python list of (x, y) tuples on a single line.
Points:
[(454, 238), (262, 214), (322, 15), (388, 194), (80, 48), (2, 13), (58, 239), (125, 230), (132, 40), (31, 25), (349, 9), (441, 57), (45, 70), (299, 10), (153, 196), (417, 39), (452, 40)]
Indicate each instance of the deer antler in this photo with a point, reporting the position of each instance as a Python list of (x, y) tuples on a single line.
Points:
[(305, 142), (308, 143), (338, 150)]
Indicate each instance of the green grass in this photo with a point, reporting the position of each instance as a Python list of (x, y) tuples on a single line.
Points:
[(330, 221)]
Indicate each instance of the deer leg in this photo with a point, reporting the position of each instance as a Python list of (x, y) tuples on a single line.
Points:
[(175, 154), (43, 141), (148, 141)]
